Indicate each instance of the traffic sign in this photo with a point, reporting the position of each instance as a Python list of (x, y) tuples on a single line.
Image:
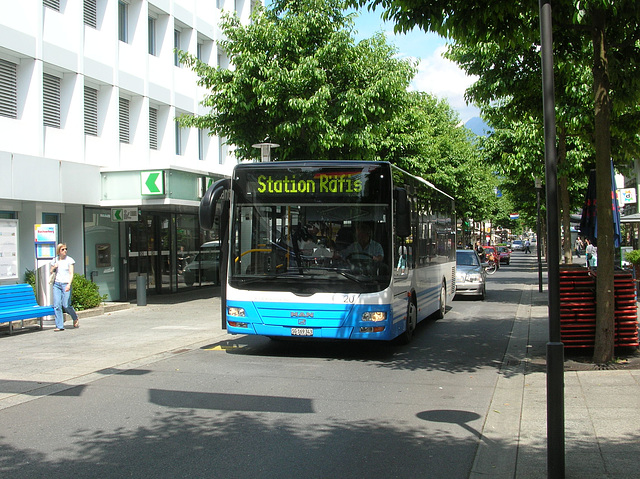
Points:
[(124, 214), (152, 183)]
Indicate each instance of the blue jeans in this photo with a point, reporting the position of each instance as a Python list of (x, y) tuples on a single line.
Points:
[(62, 301)]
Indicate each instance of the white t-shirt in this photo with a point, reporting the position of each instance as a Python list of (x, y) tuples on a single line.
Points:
[(63, 275)]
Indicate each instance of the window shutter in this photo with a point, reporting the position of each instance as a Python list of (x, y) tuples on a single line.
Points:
[(8, 89), (153, 128), (53, 4), (51, 100), (90, 13), (124, 120), (90, 111)]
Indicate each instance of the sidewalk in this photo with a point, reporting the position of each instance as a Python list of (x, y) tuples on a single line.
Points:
[(38, 363), (602, 408)]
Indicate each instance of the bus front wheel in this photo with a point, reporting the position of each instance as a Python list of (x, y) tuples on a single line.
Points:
[(411, 323)]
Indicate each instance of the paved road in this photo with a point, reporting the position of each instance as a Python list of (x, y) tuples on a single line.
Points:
[(162, 391), (250, 407)]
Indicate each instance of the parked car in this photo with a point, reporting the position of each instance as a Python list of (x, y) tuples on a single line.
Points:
[(470, 274), (205, 267), (505, 254), (517, 245)]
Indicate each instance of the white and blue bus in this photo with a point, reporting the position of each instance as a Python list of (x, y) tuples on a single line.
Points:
[(331, 249)]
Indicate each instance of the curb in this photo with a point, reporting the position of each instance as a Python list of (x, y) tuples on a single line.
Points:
[(104, 308)]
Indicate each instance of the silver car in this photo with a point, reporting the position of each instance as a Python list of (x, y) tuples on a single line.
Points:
[(517, 245), (205, 267), (470, 274)]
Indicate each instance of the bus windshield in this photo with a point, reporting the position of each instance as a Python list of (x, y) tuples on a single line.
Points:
[(311, 229)]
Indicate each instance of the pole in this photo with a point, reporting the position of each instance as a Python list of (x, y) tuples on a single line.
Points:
[(555, 348), (538, 234)]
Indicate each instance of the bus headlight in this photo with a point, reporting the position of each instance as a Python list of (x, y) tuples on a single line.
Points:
[(375, 316), (236, 312)]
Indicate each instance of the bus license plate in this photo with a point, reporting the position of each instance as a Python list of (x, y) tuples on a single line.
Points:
[(301, 332)]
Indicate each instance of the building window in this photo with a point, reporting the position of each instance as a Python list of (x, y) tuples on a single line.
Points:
[(219, 4), (51, 100), (8, 89), (51, 219), (153, 128), (90, 13), (123, 22), (90, 111), (199, 51), (152, 36), (201, 136), (52, 4), (123, 114), (221, 150), (176, 46), (178, 138)]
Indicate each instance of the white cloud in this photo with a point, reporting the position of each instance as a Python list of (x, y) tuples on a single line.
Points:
[(445, 80)]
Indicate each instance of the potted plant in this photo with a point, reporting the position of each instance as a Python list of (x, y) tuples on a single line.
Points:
[(633, 257)]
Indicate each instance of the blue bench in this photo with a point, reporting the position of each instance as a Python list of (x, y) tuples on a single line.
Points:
[(18, 302)]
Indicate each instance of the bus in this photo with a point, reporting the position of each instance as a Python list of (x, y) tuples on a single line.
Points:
[(354, 250)]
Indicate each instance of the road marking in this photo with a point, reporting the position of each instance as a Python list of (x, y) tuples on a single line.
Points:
[(226, 347)]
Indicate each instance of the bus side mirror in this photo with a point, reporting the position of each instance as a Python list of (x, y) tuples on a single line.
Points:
[(403, 213), (214, 206)]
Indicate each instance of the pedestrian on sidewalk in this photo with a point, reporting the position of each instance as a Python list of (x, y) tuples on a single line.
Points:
[(62, 266), (592, 254), (579, 246)]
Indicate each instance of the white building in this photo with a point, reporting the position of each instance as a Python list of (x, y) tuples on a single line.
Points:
[(89, 90)]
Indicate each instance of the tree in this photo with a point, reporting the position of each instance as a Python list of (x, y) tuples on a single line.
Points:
[(613, 31), (428, 140), (300, 80), (509, 97)]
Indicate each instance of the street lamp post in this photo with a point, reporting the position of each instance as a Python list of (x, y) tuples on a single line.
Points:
[(555, 348), (538, 235), (265, 150)]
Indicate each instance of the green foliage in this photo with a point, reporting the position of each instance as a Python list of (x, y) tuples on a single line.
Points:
[(30, 278), (85, 294), (300, 80), (633, 257), (427, 140)]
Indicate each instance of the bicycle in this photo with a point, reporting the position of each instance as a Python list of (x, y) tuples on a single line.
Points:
[(492, 265)]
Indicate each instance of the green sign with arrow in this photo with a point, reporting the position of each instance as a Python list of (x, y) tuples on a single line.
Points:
[(152, 183), (124, 214)]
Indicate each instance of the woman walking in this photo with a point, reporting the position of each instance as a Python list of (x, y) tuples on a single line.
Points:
[(62, 266)]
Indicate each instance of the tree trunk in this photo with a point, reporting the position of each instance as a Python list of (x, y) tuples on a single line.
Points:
[(565, 207), (605, 325)]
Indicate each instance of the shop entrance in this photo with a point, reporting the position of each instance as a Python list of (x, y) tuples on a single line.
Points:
[(149, 253)]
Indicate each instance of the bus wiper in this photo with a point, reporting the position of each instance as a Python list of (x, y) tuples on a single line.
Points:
[(350, 276)]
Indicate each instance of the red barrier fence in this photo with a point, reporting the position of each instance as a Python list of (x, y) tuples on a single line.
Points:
[(578, 308)]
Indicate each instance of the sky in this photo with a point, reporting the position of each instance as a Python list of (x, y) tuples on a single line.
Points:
[(436, 75)]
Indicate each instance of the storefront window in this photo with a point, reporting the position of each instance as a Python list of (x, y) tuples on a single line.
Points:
[(102, 252)]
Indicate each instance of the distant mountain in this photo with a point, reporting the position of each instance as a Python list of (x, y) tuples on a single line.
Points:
[(478, 126)]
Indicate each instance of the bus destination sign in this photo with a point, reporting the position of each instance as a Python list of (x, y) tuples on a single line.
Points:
[(320, 183)]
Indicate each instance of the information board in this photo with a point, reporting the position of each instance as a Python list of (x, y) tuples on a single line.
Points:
[(8, 249)]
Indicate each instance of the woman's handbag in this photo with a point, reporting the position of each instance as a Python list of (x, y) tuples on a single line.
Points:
[(52, 275)]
